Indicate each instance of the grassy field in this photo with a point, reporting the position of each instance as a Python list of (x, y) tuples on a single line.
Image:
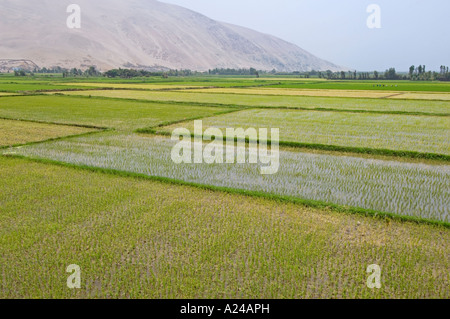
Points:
[(36, 87), (349, 181), (298, 92), (123, 115), (354, 104), (369, 85), (18, 132), (135, 86), (422, 96), (329, 93), (358, 184), (134, 238), (168, 84), (427, 134)]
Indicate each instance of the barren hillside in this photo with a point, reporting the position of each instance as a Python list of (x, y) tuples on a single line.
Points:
[(139, 33)]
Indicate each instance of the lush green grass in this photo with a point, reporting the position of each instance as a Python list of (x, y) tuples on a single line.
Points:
[(230, 81), (174, 85), (427, 134), (140, 239), (303, 102), (123, 115), (141, 226), (370, 85), (407, 189), (19, 132), (174, 81), (343, 93), (36, 87)]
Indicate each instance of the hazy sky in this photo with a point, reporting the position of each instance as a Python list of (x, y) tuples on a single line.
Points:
[(412, 32)]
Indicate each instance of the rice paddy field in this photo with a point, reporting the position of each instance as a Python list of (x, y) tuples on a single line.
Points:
[(423, 86), (123, 115), (350, 181), (166, 85), (87, 178), (19, 132), (427, 134), (132, 86), (244, 100), (17, 87), (422, 96), (298, 92), (329, 93)]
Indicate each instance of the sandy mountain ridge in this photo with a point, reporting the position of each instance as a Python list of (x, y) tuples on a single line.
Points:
[(140, 33)]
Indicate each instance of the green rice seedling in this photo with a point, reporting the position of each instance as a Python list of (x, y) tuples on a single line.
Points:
[(36, 87), (302, 102), (382, 94), (121, 115), (19, 132), (426, 134), (409, 189), (373, 85), (134, 238)]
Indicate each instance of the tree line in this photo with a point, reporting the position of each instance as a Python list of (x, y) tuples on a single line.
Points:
[(418, 73), (389, 74), (91, 71), (228, 71)]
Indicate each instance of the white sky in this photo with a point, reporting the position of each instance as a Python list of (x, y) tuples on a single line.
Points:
[(412, 32)]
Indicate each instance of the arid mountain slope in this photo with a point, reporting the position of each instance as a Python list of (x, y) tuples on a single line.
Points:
[(139, 33)]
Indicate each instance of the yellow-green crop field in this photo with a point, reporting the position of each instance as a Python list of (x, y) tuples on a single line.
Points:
[(135, 86), (246, 100), (87, 178), (422, 96), (134, 238), (427, 134), (330, 93), (19, 132), (122, 115), (300, 92)]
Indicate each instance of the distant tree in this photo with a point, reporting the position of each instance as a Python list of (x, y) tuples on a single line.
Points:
[(253, 71), (92, 71), (419, 69), (412, 68), (391, 74), (375, 74), (19, 73)]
